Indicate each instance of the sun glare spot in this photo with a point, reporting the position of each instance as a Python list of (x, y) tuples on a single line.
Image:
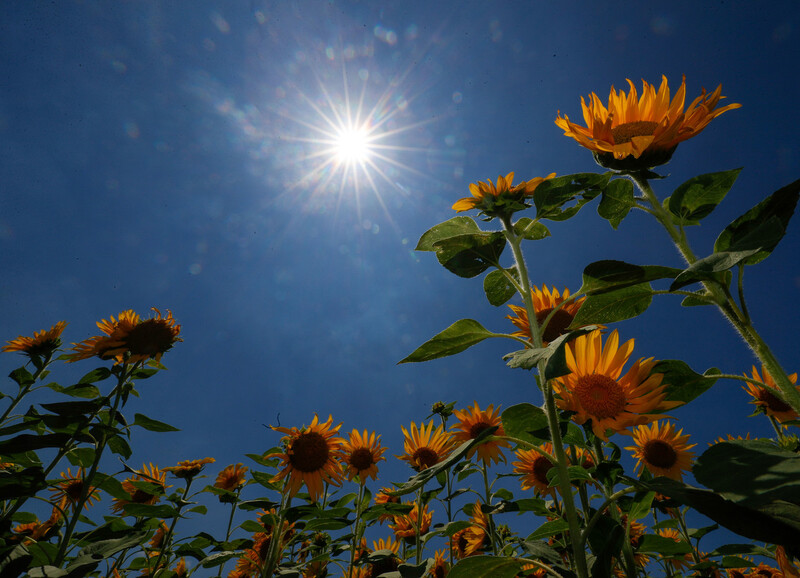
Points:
[(353, 145)]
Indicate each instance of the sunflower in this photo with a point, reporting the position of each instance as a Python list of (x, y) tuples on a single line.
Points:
[(253, 558), (595, 391), (471, 422), (677, 564), (231, 478), (544, 302), (37, 531), (789, 570), (145, 487), (405, 525), (662, 450), (477, 535), (362, 454), (635, 132), (766, 400), (385, 564), (533, 467), (426, 447), (68, 492), (501, 199), (188, 469), (158, 538), (180, 569), (384, 497), (42, 344), (129, 338), (311, 457), (441, 567)]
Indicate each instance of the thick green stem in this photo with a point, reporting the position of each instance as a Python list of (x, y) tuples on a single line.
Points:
[(724, 301), (356, 532), (418, 529), (487, 500)]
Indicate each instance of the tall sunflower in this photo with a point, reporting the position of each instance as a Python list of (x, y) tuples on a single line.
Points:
[(425, 447), (130, 338), (544, 302), (405, 525), (43, 342), (766, 400), (311, 456), (501, 199), (362, 454), (441, 567), (662, 450), (68, 492), (635, 132), (533, 467), (595, 391), (231, 478), (155, 485), (188, 469), (471, 422)]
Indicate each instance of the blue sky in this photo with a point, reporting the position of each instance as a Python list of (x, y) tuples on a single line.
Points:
[(162, 154)]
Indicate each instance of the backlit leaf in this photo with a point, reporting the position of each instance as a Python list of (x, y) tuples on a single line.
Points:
[(461, 335)]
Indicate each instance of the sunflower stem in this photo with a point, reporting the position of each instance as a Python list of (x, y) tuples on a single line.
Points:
[(40, 368), (685, 533), (274, 550), (418, 529), (724, 301), (230, 525), (356, 524), (487, 500), (171, 531), (578, 553)]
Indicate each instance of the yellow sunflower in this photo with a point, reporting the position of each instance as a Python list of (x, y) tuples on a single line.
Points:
[(677, 564), (131, 338), (311, 457), (662, 450), (471, 422), (387, 564), (489, 197), (766, 400), (231, 478), (544, 302), (362, 454), (533, 467), (138, 495), (789, 570), (426, 447), (158, 538), (641, 132), (42, 344), (384, 497), (477, 535), (68, 492), (595, 391), (441, 567), (188, 469), (405, 525)]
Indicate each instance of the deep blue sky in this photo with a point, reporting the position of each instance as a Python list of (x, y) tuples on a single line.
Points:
[(152, 156)]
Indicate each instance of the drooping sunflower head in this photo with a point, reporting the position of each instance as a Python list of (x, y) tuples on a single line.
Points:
[(42, 344), (405, 525), (596, 390), (188, 469), (662, 450), (231, 478), (361, 455), (552, 307), (766, 400), (67, 493), (441, 566), (471, 423), (502, 199), (145, 487), (533, 467), (634, 133), (311, 456), (425, 447)]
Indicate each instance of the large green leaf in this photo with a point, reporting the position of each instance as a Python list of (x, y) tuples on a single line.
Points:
[(614, 305), (486, 567), (498, 288), (24, 483), (152, 424), (451, 228), (762, 227), (699, 196), (553, 355), (526, 422), (656, 544), (530, 229), (74, 408), (27, 442), (603, 276), (470, 255), (551, 196), (683, 384), (709, 268), (461, 335), (617, 201)]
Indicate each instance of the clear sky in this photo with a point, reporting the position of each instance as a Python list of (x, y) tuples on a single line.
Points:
[(172, 154)]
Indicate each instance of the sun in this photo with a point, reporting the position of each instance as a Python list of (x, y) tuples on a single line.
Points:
[(353, 145)]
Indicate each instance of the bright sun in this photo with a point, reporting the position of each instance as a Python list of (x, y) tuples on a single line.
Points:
[(352, 145)]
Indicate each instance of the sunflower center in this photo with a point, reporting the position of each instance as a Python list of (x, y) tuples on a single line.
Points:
[(361, 459), (772, 401), (558, 323), (626, 131), (73, 490), (541, 466), (150, 338), (309, 452), (426, 457), (660, 454), (477, 428), (601, 396)]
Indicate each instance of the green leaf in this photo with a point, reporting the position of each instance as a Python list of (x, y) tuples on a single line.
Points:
[(22, 376), (551, 528), (665, 546), (615, 305), (603, 276), (82, 457), (470, 255), (95, 375), (74, 408), (218, 559), (709, 268), (451, 228), (699, 196), (553, 355), (526, 422), (683, 384), (554, 193), (84, 390), (407, 570), (616, 202), (88, 558), (151, 424), (150, 511), (27, 442), (763, 226), (541, 551), (575, 473), (120, 446), (461, 335), (24, 483), (530, 229), (641, 505), (498, 288), (486, 566), (144, 373)]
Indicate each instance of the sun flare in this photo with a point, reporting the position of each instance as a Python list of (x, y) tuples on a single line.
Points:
[(353, 145)]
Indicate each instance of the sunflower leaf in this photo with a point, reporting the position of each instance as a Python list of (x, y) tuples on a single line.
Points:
[(451, 228), (526, 422), (553, 355), (554, 193), (608, 275), (615, 305), (152, 424), (762, 227), (655, 544), (699, 196), (682, 383), (498, 288), (486, 567), (461, 335), (617, 201), (471, 254), (530, 229), (711, 268)]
